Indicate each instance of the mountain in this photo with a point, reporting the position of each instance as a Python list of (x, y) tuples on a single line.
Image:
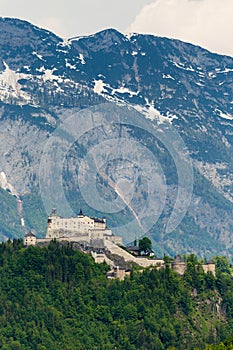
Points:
[(154, 114)]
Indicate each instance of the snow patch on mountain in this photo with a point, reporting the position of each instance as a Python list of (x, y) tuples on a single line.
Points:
[(9, 86), (182, 66), (124, 90), (49, 76), (225, 70), (5, 185), (224, 115), (99, 86), (199, 84), (38, 56), (11, 89), (212, 75), (69, 65), (65, 43), (168, 76), (150, 112), (128, 36), (81, 57)]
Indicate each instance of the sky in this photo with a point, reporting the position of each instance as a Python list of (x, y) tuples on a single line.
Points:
[(207, 23)]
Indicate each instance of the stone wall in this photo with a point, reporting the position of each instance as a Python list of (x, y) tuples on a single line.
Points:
[(179, 267), (209, 268)]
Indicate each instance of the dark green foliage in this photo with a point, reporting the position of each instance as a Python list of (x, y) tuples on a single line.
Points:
[(58, 298), (227, 345), (145, 245)]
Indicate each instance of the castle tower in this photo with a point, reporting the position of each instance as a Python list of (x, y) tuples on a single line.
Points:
[(209, 267), (179, 265), (29, 239), (80, 214)]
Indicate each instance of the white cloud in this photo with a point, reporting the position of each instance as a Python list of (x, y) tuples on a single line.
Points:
[(207, 23), (69, 18)]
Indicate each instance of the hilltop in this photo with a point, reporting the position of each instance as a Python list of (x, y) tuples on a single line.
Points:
[(58, 298)]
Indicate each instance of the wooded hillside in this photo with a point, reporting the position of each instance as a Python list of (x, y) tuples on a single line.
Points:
[(58, 298)]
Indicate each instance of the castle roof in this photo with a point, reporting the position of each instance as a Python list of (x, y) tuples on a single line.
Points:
[(210, 262), (98, 220), (93, 218), (80, 213), (133, 248), (178, 259), (30, 234)]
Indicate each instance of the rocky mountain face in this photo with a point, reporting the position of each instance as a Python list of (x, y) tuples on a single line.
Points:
[(111, 84)]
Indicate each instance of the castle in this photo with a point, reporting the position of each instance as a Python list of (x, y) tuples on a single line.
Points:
[(82, 228), (180, 266), (94, 234)]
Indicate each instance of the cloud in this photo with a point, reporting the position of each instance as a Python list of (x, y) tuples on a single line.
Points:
[(207, 23), (69, 18)]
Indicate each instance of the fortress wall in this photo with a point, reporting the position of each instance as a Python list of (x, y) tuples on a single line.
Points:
[(179, 268), (79, 224), (30, 240), (144, 262), (209, 268)]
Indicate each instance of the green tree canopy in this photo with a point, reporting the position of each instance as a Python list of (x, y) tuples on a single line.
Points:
[(56, 297), (145, 245)]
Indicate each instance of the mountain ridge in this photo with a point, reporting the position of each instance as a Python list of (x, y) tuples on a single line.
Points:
[(45, 79)]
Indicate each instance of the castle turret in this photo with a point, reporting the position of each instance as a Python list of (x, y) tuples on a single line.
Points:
[(179, 265), (80, 214), (29, 239), (54, 212), (209, 267)]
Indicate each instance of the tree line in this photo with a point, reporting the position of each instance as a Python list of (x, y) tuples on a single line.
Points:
[(56, 298)]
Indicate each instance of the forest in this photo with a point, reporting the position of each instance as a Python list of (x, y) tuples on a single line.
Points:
[(57, 298)]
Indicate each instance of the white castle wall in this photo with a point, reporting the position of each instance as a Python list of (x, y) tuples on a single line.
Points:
[(80, 224), (80, 229)]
